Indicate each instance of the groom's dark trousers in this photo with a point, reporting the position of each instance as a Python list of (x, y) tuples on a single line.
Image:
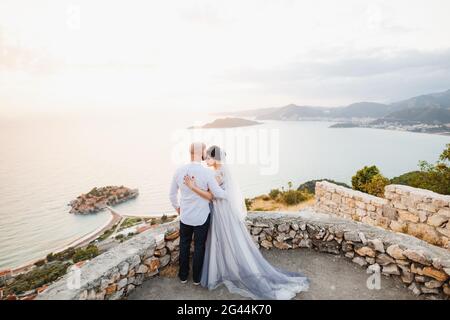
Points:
[(200, 234)]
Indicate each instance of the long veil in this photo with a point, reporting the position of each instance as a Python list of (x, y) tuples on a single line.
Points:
[(232, 257), (234, 194)]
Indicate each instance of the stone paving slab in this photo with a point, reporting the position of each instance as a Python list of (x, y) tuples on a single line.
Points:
[(332, 277)]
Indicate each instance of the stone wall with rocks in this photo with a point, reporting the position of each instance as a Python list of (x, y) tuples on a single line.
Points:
[(115, 273), (418, 212), (423, 268)]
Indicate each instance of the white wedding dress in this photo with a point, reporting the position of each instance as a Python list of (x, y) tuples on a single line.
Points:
[(233, 259)]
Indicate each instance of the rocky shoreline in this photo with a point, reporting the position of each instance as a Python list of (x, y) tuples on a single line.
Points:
[(99, 198)]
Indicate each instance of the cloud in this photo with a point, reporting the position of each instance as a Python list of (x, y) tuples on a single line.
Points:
[(344, 77), (361, 64), (374, 63), (205, 14), (233, 53), (380, 17)]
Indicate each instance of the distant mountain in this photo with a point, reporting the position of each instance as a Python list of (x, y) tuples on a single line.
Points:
[(440, 100), (363, 110), (228, 123), (294, 112), (355, 110), (248, 113), (428, 114), (429, 108)]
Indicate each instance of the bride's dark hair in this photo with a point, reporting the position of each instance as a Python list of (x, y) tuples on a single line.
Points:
[(214, 152)]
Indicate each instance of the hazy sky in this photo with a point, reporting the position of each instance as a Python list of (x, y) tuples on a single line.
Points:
[(218, 55)]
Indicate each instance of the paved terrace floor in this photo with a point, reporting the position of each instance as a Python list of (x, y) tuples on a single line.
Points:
[(331, 277)]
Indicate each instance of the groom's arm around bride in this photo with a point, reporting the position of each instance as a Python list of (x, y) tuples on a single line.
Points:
[(194, 210)]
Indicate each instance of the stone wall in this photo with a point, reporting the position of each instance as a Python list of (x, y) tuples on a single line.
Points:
[(115, 273), (418, 212), (422, 267)]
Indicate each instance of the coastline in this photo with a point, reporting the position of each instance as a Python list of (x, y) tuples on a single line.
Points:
[(79, 242), (399, 129), (76, 243), (395, 129), (83, 240)]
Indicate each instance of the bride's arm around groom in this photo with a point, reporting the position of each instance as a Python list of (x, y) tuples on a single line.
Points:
[(212, 187)]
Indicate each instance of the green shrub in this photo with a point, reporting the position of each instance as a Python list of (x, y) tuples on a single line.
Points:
[(37, 277), (129, 222), (293, 197), (274, 193), (363, 177), (89, 252), (61, 256), (376, 185), (370, 180), (248, 203), (40, 263), (412, 178), (445, 155), (163, 218), (434, 177), (290, 197), (50, 257), (105, 234)]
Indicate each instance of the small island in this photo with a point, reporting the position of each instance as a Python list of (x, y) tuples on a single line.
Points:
[(228, 123), (99, 198), (344, 125)]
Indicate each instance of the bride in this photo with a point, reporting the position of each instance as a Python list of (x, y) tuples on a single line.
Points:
[(231, 257)]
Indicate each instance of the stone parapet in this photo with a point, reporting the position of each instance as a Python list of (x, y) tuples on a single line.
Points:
[(423, 268), (418, 212), (115, 273)]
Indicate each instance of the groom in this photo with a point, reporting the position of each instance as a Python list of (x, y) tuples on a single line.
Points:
[(194, 211)]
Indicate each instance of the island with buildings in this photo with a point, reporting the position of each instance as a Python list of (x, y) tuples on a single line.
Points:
[(99, 198)]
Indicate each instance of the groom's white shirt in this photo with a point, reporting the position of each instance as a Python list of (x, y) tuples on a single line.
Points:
[(194, 209)]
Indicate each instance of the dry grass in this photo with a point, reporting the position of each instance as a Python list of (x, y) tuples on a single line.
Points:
[(259, 204)]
